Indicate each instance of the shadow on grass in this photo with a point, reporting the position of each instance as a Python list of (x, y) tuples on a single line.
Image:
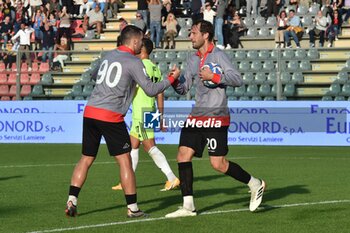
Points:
[(269, 195), (101, 210), (10, 177)]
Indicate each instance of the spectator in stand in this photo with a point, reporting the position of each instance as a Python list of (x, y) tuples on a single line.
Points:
[(197, 10), (24, 40), (155, 8), (170, 30), (93, 20), (9, 57), (54, 6), (334, 28), (273, 7), (102, 4), (344, 9), (22, 12), (5, 31), (142, 8), (237, 29), (282, 24), (294, 3), (84, 8), (209, 13), (53, 22), (64, 26), (320, 22), (37, 21), (68, 4), (140, 23), (48, 41), (293, 23), (252, 7), (219, 22), (8, 10), (61, 51), (35, 5)]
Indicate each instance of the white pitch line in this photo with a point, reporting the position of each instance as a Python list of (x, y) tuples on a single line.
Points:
[(204, 213), (73, 164)]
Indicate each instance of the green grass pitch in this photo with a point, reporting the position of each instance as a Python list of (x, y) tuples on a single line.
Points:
[(307, 191)]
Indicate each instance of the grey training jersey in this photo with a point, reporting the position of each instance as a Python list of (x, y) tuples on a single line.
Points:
[(116, 79), (209, 101)]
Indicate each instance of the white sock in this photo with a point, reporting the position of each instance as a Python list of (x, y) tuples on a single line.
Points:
[(133, 207), (253, 182), (134, 158), (188, 203), (73, 199), (161, 162)]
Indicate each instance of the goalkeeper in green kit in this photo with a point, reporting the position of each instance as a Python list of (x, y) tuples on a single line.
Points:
[(138, 134)]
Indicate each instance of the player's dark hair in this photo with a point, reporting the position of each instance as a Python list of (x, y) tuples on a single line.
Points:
[(128, 33), (205, 27), (148, 44)]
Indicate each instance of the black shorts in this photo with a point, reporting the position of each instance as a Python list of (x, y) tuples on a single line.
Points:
[(116, 136), (198, 138)]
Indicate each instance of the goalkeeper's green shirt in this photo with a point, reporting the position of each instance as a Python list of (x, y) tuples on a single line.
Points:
[(142, 101)]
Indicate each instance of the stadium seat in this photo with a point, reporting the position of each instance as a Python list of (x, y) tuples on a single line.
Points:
[(264, 54), (305, 65), (300, 54), (181, 22), (244, 66), (4, 90), (163, 67), (281, 65), (47, 79), (230, 54), (182, 98), (85, 77), (44, 67), (171, 65), (5, 98), (26, 90), (327, 98), (172, 98), (342, 77), (189, 22), (269, 65), (248, 78), (269, 98), (345, 91), (182, 55), (24, 78), (272, 78), (273, 31), (68, 97), (235, 64), (248, 21), (77, 90), (256, 98), (252, 90), (3, 78), (159, 55), (27, 97), (314, 8), (252, 54), (240, 55), (307, 20), (232, 98), (87, 90), (274, 90), (285, 77), (37, 90), (169, 92), (265, 90), (293, 65), (264, 32), (291, 7), (12, 78), (347, 65), (13, 90), (2, 66), (288, 54), (271, 21), (302, 9), (94, 64), (24, 67), (229, 91), (260, 78), (170, 55), (297, 77), (289, 90), (275, 53), (244, 98), (183, 33), (252, 32), (313, 54), (339, 98), (79, 97), (183, 65), (239, 91), (334, 89), (34, 78), (259, 21), (256, 65), (35, 66)]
